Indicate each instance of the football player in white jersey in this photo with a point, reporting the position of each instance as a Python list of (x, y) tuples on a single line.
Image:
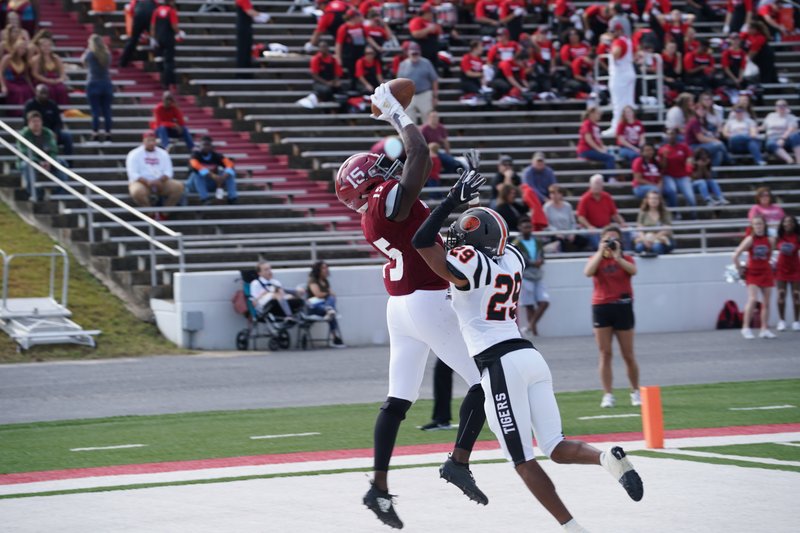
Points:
[(485, 274)]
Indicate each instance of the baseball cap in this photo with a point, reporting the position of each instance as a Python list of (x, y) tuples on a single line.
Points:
[(507, 159), (413, 48), (538, 156)]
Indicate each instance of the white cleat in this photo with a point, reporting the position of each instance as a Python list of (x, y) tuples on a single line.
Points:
[(781, 325), (574, 527), (766, 334), (796, 325), (608, 401), (618, 465), (636, 398), (747, 333)]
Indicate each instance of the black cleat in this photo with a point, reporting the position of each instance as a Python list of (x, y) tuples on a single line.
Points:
[(459, 475), (621, 468), (381, 503)]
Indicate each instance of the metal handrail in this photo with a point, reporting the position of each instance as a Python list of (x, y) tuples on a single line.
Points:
[(59, 252), (152, 224)]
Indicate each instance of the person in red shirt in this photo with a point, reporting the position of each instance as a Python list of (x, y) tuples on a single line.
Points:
[(168, 122), (544, 51), (574, 48), (503, 49), (351, 39), (770, 15), (699, 69), (672, 61), (245, 15), (739, 13), (630, 135), (582, 70), (425, 32), (612, 311), (164, 29), (472, 69), (757, 274), (674, 26), (595, 20), (326, 72), (646, 173), (733, 62), (672, 158), (590, 144), (369, 72), (511, 82), (787, 269), (597, 209), (760, 52), (399, 58), (332, 17), (377, 29), (512, 16), (487, 15)]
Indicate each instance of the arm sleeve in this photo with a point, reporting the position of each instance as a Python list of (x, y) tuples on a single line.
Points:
[(196, 164), (360, 68), (425, 237)]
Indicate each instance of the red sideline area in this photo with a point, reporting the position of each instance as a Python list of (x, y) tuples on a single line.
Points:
[(329, 455)]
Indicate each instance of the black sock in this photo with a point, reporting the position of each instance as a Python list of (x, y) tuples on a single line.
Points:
[(386, 427), (471, 418)]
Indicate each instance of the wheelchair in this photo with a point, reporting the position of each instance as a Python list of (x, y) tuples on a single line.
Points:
[(270, 323)]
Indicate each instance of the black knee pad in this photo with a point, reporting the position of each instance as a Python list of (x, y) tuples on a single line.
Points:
[(396, 407)]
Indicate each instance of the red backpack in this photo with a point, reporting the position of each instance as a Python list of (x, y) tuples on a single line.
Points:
[(730, 317)]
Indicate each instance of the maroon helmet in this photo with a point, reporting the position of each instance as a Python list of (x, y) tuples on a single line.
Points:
[(360, 174)]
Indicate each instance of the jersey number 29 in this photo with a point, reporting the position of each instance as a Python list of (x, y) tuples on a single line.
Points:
[(498, 308)]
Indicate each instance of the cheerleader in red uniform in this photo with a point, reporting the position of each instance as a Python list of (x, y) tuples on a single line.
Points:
[(759, 275), (787, 271)]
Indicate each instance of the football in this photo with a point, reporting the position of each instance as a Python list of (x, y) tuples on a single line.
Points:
[(402, 89)]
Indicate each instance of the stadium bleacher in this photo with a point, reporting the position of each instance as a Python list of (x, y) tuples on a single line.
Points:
[(286, 155)]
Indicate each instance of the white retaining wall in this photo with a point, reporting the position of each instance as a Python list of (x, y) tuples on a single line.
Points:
[(671, 293)]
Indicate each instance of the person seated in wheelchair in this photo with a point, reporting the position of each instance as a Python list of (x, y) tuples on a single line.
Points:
[(322, 301), (271, 299)]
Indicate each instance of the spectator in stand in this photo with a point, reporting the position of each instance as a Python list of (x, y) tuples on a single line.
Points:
[(168, 122), (330, 21), (351, 40), (142, 15), (505, 175), (149, 171), (647, 173), (12, 32), (745, 101), (699, 136), (487, 16), (699, 168), (563, 11), (652, 213), (690, 42), (769, 12), (15, 81), (612, 311), (672, 61), (739, 14), (630, 135), (703, 10), (45, 140), (715, 114), (757, 274), (621, 77), (734, 59), (781, 129), (533, 295), (597, 209), (698, 67), (510, 207), (512, 16), (787, 270), (472, 65), (369, 72), (680, 113), (435, 174), (561, 217), (673, 157), (742, 134), (164, 29), (211, 172), (590, 145), (544, 55), (99, 89), (539, 177), (326, 73), (27, 11), (675, 25), (576, 47), (595, 20), (51, 116), (269, 296), (766, 208), (426, 83), (760, 52), (245, 16), (48, 68), (582, 83), (511, 81), (322, 301), (504, 49), (435, 132), (377, 28), (399, 58), (425, 33)]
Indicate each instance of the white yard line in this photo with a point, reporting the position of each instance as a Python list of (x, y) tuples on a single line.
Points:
[(256, 437), (764, 408), (710, 455), (788, 444), (608, 416), (95, 448)]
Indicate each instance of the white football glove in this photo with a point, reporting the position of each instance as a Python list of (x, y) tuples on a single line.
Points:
[(391, 110)]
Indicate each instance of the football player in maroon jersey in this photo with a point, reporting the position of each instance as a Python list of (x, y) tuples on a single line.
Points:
[(418, 313)]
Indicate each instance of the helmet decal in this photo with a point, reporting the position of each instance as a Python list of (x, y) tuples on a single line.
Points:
[(470, 223)]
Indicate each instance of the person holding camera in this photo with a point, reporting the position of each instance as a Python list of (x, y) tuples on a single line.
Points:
[(612, 310)]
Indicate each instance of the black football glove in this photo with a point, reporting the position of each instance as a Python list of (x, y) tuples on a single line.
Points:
[(473, 158), (467, 187)]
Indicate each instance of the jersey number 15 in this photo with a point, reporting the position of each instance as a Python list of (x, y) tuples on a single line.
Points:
[(498, 308)]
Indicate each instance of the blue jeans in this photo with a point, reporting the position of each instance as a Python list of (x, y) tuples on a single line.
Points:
[(29, 176), (658, 248), (743, 144), (64, 138), (449, 163), (719, 154), (707, 189), (671, 187), (640, 191), (205, 185), (322, 308), (605, 158), (164, 133), (627, 154), (100, 93)]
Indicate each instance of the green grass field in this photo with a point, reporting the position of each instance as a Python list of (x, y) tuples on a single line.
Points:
[(92, 304), (46, 445)]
